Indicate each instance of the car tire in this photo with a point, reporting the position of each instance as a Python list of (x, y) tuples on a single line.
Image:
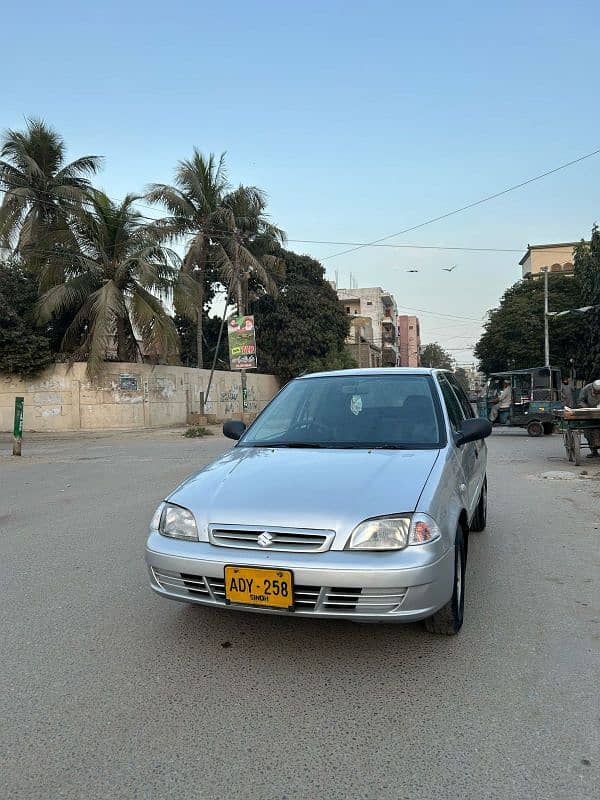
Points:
[(548, 428), (449, 619), (479, 520), (535, 428)]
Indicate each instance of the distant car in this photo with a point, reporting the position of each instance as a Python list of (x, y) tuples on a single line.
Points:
[(351, 496)]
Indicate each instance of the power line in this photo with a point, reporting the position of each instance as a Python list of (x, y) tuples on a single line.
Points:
[(412, 246), (360, 245), (469, 205), (439, 314), (225, 232)]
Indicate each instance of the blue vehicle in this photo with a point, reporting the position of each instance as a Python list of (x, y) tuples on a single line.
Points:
[(535, 396)]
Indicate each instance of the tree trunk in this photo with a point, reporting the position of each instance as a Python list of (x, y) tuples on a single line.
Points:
[(241, 290), (123, 343)]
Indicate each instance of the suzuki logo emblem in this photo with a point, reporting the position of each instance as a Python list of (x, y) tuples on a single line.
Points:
[(265, 539)]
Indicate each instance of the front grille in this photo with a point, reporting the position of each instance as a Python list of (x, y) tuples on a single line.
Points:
[(341, 599), (287, 540), (307, 599)]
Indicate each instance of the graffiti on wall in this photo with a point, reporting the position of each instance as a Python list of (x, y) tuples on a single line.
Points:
[(230, 400)]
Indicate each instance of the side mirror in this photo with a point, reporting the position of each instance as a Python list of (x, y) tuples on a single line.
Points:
[(472, 430), (233, 428)]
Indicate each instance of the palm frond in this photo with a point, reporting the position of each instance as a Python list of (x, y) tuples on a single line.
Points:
[(156, 327), (180, 206), (11, 215), (79, 325), (68, 296), (106, 306), (11, 177), (187, 296), (76, 170)]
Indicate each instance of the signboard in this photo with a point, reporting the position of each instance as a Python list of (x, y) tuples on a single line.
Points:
[(18, 426), (128, 382), (242, 342), (18, 423)]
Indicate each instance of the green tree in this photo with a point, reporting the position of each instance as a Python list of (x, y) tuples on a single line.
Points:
[(587, 273), (434, 355), (194, 205), (41, 189), (110, 286), (303, 328), (514, 333), (23, 349)]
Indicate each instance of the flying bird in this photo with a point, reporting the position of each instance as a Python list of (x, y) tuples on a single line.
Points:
[(412, 270), (449, 269)]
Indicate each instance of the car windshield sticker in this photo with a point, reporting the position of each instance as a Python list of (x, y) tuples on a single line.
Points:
[(356, 404)]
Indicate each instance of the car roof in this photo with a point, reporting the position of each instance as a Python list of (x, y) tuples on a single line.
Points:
[(372, 371), (529, 371)]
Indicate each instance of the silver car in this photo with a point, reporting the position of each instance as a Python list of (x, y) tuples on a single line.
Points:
[(351, 496)]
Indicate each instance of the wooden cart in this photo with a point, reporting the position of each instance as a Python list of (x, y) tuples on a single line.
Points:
[(573, 423)]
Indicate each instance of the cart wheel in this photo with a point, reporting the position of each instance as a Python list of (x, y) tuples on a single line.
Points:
[(535, 428), (576, 448)]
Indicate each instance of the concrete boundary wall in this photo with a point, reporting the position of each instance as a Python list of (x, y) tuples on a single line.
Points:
[(127, 396)]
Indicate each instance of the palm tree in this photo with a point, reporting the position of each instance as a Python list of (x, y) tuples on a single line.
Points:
[(195, 211), (40, 189), (109, 285), (247, 249)]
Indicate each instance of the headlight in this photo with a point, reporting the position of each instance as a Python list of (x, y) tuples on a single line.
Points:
[(389, 533), (175, 522), (394, 533)]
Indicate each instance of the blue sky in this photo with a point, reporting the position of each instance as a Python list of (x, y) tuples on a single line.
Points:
[(359, 119)]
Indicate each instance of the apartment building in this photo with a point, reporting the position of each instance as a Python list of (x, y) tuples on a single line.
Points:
[(380, 307), (553, 257), (409, 341), (359, 343)]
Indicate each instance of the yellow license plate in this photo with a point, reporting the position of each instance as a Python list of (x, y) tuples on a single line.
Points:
[(258, 586)]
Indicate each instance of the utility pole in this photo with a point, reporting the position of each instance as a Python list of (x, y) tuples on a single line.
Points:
[(546, 331), (242, 298)]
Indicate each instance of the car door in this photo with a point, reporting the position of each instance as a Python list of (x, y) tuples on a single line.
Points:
[(477, 476), (467, 455)]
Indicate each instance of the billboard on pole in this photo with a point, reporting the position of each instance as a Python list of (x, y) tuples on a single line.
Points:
[(242, 342)]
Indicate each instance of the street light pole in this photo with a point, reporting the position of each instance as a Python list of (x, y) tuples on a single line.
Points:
[(546, 331)]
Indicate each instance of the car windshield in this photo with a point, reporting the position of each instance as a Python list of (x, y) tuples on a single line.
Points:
[(362, 411)]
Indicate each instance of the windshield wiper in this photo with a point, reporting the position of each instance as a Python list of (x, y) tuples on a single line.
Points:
[(391, 447), (290, 444)]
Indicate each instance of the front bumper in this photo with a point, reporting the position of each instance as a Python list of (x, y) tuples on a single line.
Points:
[(402, 586)]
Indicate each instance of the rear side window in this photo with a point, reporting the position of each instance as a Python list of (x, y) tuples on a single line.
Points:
[(462, 397), (455, 412)]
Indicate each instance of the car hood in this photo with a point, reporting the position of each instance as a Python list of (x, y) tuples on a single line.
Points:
[(301, 488)]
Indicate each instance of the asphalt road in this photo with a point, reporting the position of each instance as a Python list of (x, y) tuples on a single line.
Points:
[(107, 691)]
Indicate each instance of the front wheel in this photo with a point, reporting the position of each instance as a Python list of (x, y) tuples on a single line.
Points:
[(449, 619), (535, 428)]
